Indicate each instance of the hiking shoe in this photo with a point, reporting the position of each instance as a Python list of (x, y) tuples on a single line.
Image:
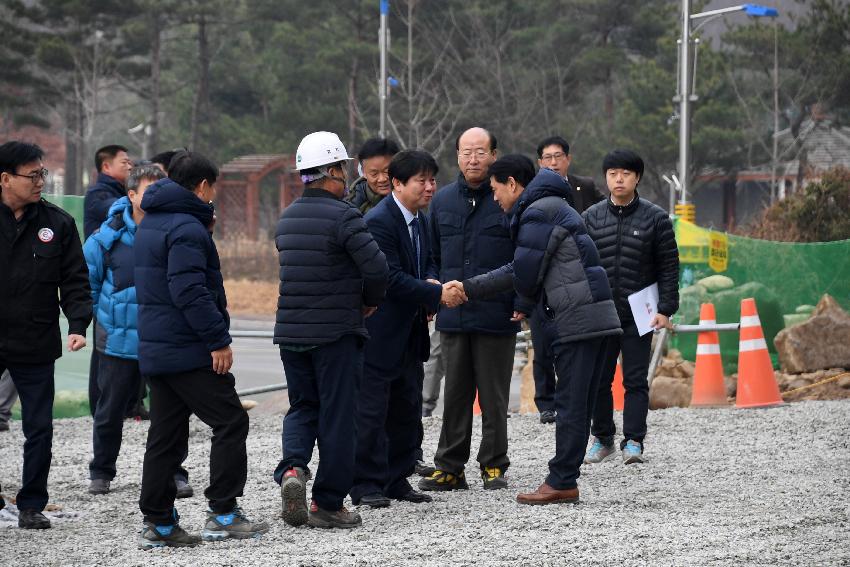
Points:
[(233, 524), (632, 452), (293, 495), (423, 469), (99, 486), (598, 452), (326, 519), (442, 481), (547, 416), (32, 520), (154, 536), (184, 489), (494, 478)]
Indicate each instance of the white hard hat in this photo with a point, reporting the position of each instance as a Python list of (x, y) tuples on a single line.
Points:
[(318, 149)]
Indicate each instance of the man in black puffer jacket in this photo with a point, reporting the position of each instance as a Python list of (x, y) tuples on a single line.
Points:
[(556, 268), (637, 247), (332, 276)]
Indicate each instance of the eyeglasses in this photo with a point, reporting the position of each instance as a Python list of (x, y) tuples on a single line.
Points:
[(555, 156), (34, 176), (480, 154)]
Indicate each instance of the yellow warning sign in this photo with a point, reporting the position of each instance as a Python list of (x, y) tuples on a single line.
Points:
[(718, 251)]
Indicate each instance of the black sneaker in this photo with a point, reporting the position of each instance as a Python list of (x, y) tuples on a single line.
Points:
[(33, 520), (547, 416), (341, 518), (293, 495), (494, 478), (233, 524), (4, 426), (99, 486), (154, 536), (444, 481), (184, 489)]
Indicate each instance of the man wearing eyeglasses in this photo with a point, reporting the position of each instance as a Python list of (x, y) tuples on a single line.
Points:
[(478, 338), (554, 153), (43, 269)]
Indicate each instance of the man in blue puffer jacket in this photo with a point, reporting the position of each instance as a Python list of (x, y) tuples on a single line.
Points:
[(184, 349), (110, 258), (557, 266)]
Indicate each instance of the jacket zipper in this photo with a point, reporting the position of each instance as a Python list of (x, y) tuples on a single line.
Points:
[(617, 254)]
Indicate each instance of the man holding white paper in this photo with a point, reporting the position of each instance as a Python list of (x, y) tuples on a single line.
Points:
[(637, 248)]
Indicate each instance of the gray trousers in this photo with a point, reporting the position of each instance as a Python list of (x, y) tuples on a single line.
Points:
[(435, 369), (475, 361), (8, 396)]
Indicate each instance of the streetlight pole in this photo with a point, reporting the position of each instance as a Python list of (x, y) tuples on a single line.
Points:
[(685, 97), (382, 86)]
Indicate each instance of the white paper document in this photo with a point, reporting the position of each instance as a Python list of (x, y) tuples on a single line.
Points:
[(644, 304)]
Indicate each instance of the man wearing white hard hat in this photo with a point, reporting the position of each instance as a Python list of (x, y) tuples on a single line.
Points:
[(332, 276)]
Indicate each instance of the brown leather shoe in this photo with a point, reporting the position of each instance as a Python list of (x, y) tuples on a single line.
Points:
[(545, 494)]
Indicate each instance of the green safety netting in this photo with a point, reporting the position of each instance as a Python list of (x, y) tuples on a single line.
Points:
[(787, 279), (73, 204)]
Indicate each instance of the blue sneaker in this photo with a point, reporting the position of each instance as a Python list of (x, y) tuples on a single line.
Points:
[(172, 535), (598, 452), (234, 525), (632, 452)]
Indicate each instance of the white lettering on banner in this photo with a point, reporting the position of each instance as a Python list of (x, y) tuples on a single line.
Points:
[(750, 321), (752, 344), (708, 349)]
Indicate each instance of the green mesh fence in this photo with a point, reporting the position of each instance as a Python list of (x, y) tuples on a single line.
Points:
[(73, 204), (786, 279)]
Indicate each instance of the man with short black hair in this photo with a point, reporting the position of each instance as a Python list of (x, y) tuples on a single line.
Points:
[(637, 248), (43, 270), (374, 184), (184, 349), (554, 153), (389, 405), (113, 165), (163, 159)]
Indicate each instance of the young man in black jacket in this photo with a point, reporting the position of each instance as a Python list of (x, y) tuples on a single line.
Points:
[(43, 270), (332, 276), (637, 247)]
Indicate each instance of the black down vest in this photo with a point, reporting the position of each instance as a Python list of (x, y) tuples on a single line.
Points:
[(637, 247)]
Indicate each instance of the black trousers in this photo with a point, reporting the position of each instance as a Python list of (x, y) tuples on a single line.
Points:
[(118, 382), (34, 383), (389, 424), (543, 367), (322, 386), (579, 365), (94, 388), (212, 397), (482, 362), (636, 353)]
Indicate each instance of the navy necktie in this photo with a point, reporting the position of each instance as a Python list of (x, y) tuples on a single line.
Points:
[(414, 228)]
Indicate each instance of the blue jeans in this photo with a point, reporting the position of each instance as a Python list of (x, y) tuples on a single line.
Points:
[(34, 383), (322, 385)]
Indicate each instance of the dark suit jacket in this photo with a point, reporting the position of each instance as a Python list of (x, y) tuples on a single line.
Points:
[(584, 192), (400, 323)]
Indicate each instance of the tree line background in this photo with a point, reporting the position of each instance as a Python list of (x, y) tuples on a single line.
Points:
[(229, 78)]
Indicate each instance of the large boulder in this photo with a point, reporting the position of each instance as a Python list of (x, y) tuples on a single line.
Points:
[(823, 341)]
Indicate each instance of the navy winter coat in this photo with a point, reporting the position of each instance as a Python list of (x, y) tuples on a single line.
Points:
[(111, 261), (330, 267), (555, 263), (182, 306), (99, 197), (469, 238)]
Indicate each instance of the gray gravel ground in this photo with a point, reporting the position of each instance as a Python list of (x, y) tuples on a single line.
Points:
[(721, 486)]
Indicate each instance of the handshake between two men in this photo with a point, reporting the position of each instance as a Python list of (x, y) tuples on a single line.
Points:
[(453, 294)]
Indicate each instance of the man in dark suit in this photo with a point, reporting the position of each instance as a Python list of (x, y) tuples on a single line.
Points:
[(554, 153), (389, 404)]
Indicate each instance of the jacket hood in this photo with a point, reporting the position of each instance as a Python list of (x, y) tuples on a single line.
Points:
[(119, 220), (166, 196), (546, 183)]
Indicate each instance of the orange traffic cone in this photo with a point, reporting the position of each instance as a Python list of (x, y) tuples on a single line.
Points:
[(617, 390), (756, 383), (476, 409), (709, 388)]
